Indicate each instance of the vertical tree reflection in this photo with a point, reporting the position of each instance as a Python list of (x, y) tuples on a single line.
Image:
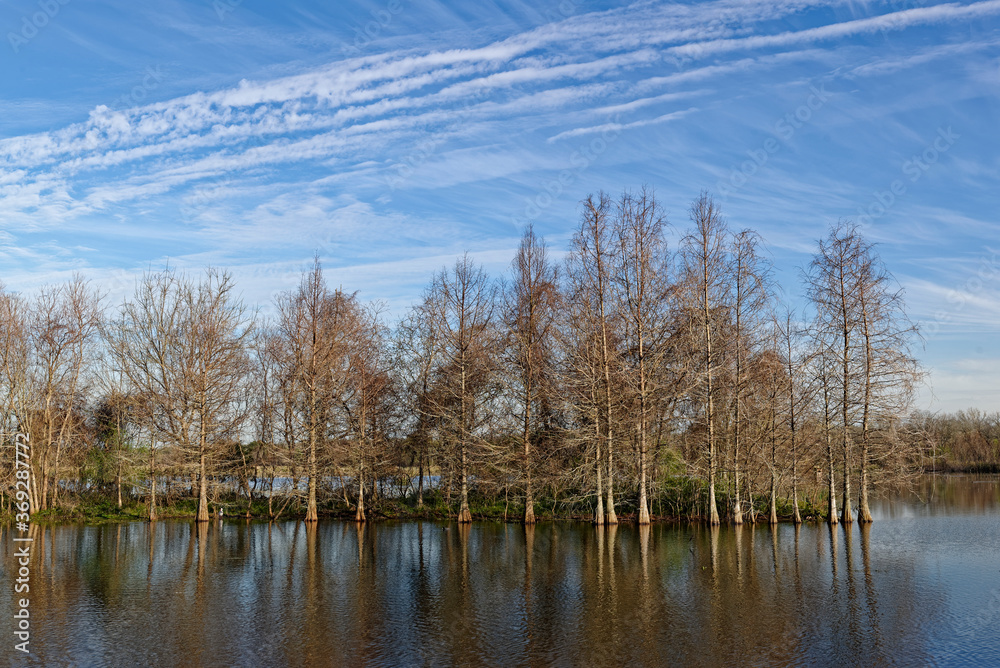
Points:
[(870, 591), (424, 594)]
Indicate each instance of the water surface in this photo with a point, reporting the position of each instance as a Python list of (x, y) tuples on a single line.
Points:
[(921, 586)]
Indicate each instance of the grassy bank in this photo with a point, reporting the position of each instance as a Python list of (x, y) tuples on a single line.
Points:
[(679, 499)]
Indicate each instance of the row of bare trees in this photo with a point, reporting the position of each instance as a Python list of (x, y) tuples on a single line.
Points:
[(631, 374)]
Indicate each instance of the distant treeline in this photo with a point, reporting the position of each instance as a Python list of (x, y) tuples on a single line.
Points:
[(964, 441), (632, 378)]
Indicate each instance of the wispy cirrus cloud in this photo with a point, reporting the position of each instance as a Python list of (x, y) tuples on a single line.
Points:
[(435, 136)]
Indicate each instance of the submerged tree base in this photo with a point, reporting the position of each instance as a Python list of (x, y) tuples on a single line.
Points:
[(679, 501)]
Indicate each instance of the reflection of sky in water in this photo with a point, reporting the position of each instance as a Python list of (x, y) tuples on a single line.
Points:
[(919, 587)]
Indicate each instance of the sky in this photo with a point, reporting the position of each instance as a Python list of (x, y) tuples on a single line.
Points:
[(392, 136)]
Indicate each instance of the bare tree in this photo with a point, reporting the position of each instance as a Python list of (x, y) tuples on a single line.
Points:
[(368, 398), (15, 359), (65, 321), (535, 392), (889, 371), (771, 385), (750, 285), (116, 425), (823, 368), (184, 347), (461, 304), (530, 305), (416, 355), (860, 315), (834, 279), (797, 395), (703, 255), (590, 266), (582, 376), (641, 279), (315, 327), (267, 409)]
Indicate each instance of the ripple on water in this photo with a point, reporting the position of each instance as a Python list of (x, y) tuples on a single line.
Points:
[(918, 587)]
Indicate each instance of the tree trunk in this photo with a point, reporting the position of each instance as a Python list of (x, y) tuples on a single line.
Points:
[(202, 489), (118, 485), (152, 483), (270, 496), (643, 506), (773, 506), (713, 511), (529, 501), (610, 517), (420, 474), (599, 510), (449, 485), (55, 475), (312, 514), (796, 517), (832, 500), (864, 513), (464, 515), (846, 515), (774, 497), (43, 497), (792, 425), (737, 401), (737, 507), (359, 515)]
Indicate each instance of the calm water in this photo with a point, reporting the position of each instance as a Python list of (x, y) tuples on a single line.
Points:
[(919, 587)]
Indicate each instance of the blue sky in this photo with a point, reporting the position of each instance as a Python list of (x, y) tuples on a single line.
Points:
[(391, 136)]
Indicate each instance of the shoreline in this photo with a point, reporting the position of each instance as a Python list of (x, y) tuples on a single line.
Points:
[(99, 512)]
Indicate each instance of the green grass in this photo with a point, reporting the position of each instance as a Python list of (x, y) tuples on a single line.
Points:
[(678, 498)]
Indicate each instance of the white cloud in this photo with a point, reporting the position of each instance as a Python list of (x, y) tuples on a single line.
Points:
[(259, 174)]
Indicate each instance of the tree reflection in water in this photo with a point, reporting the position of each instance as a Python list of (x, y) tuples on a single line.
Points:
[(425, 593)]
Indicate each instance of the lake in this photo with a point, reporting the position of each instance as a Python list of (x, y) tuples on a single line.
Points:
[(921, 586)]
